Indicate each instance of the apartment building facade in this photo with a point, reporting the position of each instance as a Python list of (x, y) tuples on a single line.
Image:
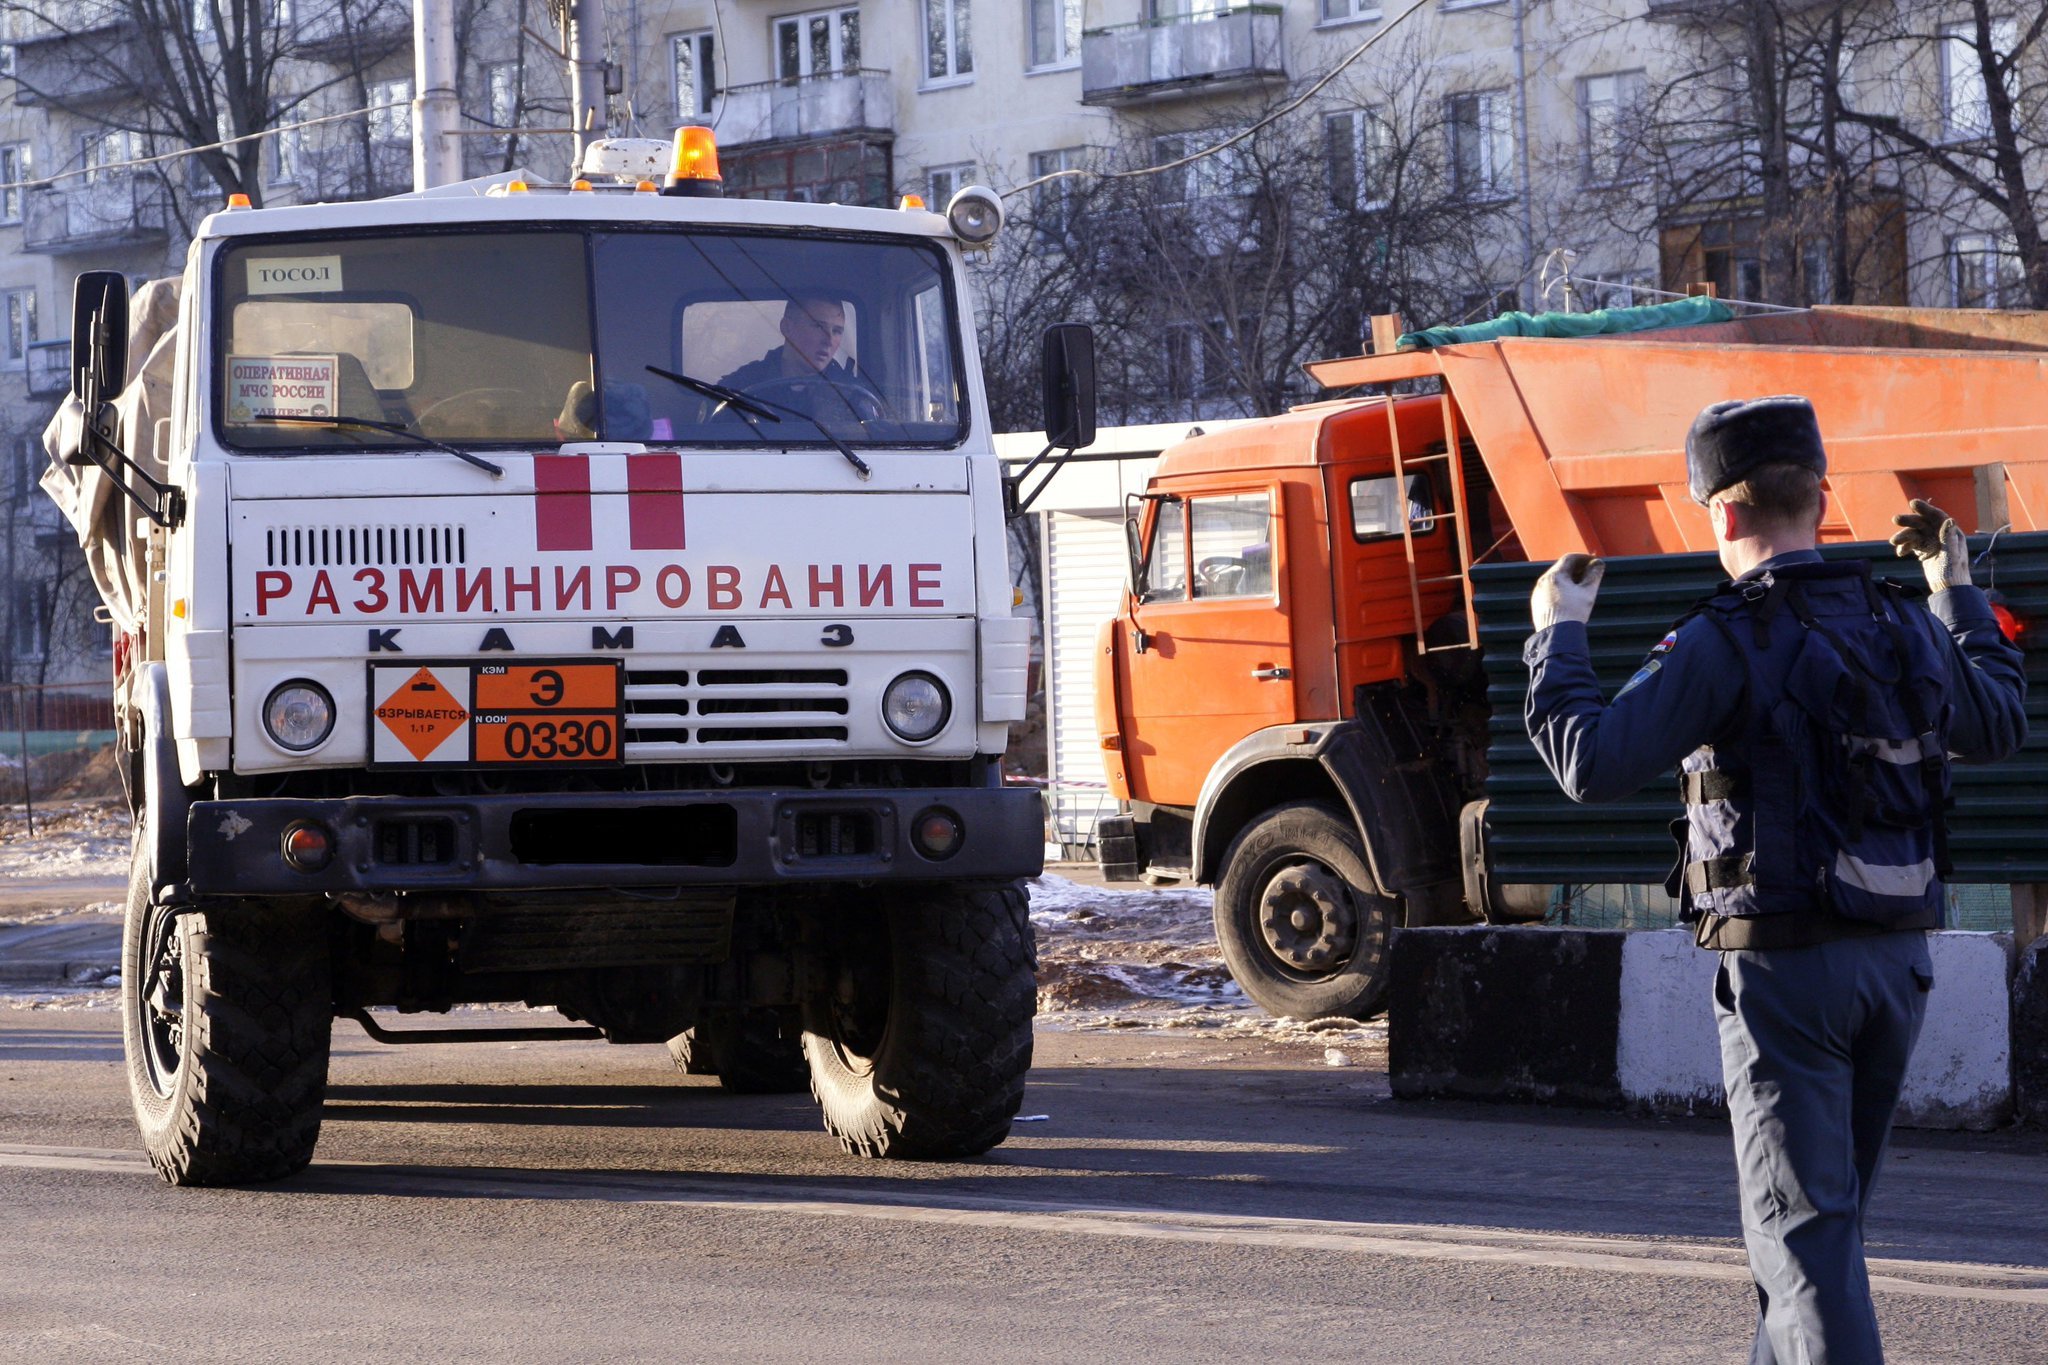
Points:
[(1579, 126)]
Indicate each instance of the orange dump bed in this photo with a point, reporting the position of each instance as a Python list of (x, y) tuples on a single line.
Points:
[(1584, 438)]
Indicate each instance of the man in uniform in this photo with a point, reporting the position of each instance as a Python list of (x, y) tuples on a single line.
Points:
[(813, 331), (1814, 711)]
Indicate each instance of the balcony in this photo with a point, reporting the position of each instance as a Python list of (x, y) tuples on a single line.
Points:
[(49, 368), (833, 104), (93, 61), (112, 211), (1183, 54), (366, 31)]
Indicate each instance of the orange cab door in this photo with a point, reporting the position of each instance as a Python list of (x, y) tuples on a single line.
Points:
[(1210, 658)]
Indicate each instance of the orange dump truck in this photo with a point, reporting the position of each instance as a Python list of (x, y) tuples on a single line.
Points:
[(1311, 698)]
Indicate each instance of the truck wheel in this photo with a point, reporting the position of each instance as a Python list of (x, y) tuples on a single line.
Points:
[(921, 1046), (225, 1016), (1299, 931), (749, 1051)]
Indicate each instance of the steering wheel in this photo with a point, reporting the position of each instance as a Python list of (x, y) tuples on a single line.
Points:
[(1221, 574), (805, 392), (426, 413)]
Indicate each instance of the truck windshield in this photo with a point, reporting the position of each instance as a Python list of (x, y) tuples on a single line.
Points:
[(536, 337)]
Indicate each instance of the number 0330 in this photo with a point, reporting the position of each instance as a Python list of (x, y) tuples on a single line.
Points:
[(520, 739)]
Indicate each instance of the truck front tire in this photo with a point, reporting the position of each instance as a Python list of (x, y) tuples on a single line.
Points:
[(920, 1044), (226, 1015), (1302, 936)]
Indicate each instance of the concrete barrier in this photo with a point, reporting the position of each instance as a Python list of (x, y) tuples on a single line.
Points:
[(1625, 1020), (2030, 1034)]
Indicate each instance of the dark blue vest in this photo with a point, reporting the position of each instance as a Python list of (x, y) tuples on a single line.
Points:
[(1831, 794)]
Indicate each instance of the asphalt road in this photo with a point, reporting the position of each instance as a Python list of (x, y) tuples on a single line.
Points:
[(1184, 1198)]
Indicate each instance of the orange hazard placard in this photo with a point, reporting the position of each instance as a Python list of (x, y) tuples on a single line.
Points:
[(547, 687), (418, 712)]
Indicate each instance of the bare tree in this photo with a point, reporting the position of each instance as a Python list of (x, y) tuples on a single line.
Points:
[(1210, 282), (150, 76), (1964, 102), (1744, 157)]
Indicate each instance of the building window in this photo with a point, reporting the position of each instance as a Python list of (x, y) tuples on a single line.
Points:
[(1482, 305), (16, 165), (285, 156), (1965, 99), (943, 182), (21, 327), (1984, 272), (948, 41), (393, 121), (1216, 175), (501, 90), (106, 155), (1200, 361), (1344, 11), (1055, 33), (1360, 148), (1053, 203), (1189, 9), (1607, 111), (1626, 289), (1482, 134), (690, 58), (27, 639), (1230, 540), (816, 44)]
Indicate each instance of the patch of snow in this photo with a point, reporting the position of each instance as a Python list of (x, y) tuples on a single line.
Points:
[(72, 839)]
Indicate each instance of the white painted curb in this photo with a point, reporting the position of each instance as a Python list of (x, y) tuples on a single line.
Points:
[(1668, 1057)]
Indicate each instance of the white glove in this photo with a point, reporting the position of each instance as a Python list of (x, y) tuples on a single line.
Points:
[(1931, 535), (1566, 591)]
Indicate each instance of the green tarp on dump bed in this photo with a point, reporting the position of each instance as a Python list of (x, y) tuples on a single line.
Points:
[(1650, 317)]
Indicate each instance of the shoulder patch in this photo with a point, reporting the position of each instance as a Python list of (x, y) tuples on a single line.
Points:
[(1664, 645), (1643, 675)]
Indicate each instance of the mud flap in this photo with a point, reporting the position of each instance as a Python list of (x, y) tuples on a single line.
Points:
[(1402, 801)]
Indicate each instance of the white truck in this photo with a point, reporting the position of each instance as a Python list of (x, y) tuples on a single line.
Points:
[(515, 601)]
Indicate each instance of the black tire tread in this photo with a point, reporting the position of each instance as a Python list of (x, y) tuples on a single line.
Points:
[(259, 1015), (1323, 831), (951, 1073)]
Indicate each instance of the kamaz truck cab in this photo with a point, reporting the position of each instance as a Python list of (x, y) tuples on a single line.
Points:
[(518, 612)]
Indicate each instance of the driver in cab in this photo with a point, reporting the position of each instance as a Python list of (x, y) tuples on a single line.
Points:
[(813, 330)]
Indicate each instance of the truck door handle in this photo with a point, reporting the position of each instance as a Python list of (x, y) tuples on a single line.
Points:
[(1272, 674)]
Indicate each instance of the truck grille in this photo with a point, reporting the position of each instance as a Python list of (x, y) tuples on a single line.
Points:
[(673, 711), (350, 547)]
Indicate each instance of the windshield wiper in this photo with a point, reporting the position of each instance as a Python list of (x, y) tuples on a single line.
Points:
[(747, 404), (730, 397), (389, 428)]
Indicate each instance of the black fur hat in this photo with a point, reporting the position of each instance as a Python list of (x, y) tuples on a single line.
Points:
[(1728, 440)]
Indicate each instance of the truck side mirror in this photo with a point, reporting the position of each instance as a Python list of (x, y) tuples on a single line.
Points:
[(99, 335), (1069, 385)]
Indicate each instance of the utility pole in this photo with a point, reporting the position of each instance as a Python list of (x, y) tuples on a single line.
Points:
[(436, 107), (583, 34)]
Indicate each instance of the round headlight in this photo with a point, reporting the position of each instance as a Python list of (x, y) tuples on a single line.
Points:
[(916, 706), (975, 215), (299, 715)]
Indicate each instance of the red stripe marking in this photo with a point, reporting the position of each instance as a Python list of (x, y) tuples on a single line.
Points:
[(654, 500), (561, 504)]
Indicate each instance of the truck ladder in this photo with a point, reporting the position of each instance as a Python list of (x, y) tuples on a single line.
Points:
[(1452, 456)]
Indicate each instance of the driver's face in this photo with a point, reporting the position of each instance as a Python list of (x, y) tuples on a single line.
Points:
[(814, 331)]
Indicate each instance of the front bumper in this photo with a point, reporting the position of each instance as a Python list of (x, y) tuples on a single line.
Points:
[(603, 839)]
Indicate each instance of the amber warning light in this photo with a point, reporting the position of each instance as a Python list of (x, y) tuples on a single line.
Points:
[(694, 171)]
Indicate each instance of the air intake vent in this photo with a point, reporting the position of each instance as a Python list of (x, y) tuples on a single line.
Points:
[(668, 709), (352, 547)]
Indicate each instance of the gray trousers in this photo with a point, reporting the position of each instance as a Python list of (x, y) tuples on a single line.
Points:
[(1814, 1045)]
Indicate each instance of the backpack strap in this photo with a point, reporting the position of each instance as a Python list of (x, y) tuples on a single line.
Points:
[(1933, 747)]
